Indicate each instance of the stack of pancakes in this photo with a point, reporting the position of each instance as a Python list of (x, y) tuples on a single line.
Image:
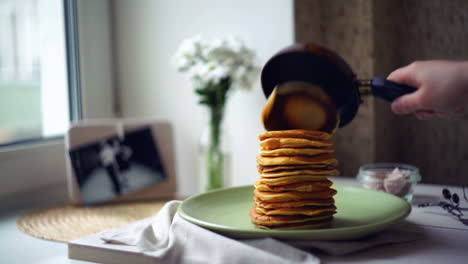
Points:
[(293, 191)]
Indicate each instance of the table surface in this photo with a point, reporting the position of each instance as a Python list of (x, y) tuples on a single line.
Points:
[(444, 238)]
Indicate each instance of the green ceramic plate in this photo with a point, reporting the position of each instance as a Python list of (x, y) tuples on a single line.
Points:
[(360, 212)]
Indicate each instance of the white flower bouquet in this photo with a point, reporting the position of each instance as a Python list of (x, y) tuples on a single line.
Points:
[(215, 67), (217, 61)]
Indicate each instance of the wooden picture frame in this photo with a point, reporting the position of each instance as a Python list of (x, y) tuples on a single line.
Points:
[(86, 132)]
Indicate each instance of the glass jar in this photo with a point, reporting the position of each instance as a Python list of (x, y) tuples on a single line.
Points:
[(394, 178)]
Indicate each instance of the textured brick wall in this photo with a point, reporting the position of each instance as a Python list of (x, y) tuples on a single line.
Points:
[(345, 27), (375, 37), (423, 30)]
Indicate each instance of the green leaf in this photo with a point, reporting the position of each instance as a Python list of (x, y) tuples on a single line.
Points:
[(203, 101), (201, 91)]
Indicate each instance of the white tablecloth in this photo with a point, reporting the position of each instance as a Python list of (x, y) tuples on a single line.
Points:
[(171, 239)]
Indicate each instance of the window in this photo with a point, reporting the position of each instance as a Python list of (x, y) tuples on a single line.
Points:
[(34, 97), (39, 92)]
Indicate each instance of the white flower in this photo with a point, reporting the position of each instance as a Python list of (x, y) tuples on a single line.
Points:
[(180, 61), (209, 72), (199, 71), (216, 60), (216, 43), (217, 73), (191, 46), (186, 54), (234, 43)]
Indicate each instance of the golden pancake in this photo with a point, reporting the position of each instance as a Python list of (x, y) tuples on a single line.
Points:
[(280, 181), (296, 133), (276, 143), (293, 191), (304, 186), (293, 196), (327, 158), (272, 220), (285, 173), (261, 168), (295, 152), (306, 210), (317, 202), (312, 225)]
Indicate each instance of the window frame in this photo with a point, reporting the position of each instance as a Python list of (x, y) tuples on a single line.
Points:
[(73, 59), (72, 63), (34, 172)]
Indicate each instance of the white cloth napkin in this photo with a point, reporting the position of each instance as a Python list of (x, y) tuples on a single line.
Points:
[(171, 239)]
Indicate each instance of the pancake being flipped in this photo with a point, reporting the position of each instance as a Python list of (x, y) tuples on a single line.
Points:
[(278, 220), (304, 186), (295, 152), (276, 143), (293, 196), (306, 210), (327, 159), (296, 133), (317, 202), (290, 179), (284, 173), (261, 168)]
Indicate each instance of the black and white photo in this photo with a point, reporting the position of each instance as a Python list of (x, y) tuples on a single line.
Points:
[(116, 166)]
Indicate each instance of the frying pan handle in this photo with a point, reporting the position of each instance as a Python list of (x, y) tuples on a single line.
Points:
[(388, 90)]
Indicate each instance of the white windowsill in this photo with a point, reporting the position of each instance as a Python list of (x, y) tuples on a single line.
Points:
[(33, 175)]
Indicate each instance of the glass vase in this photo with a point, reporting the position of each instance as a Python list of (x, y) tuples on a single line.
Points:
[(214, 157)]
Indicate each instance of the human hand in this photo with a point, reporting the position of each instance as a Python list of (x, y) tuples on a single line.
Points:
[(442, 88)]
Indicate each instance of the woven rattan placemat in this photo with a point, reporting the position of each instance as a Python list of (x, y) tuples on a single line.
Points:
[(69, 222)]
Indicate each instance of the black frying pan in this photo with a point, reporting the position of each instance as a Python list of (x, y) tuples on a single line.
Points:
[(322, 67)]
